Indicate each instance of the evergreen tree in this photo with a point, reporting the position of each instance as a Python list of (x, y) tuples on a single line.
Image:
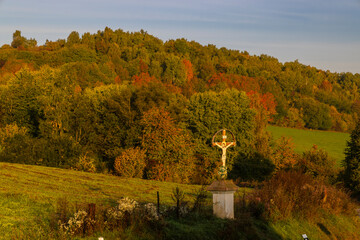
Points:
[(352, 161)]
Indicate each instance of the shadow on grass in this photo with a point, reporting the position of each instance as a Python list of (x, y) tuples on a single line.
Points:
[(195, 227), (324, 229)]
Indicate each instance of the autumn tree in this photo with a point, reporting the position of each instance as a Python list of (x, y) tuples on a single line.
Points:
[(168, 148), (131, 163), (284, 156)]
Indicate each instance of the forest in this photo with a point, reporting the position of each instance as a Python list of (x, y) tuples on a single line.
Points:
[(133, 105)]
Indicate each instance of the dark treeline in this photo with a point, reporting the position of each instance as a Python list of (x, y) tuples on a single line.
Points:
[(101, 101)]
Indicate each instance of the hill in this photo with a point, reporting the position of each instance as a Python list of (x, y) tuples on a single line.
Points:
[(333, 143)]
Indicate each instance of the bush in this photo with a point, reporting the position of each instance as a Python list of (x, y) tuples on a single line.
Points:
[(284, 156), (86, 163), (290, 194), (318, 164), (130, 163)]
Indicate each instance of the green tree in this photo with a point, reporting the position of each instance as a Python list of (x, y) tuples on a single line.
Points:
[(19, 41), (174, 71), (21, 104), (351, 162), (73, 38), (212, 111), (316, 115), (230, 109)]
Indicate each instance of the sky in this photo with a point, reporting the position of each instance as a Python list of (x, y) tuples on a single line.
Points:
[(321, 33)]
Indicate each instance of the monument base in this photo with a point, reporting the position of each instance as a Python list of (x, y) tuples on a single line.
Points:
[(223, 198)]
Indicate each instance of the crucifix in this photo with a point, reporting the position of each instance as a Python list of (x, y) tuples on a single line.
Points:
[(224, 146)]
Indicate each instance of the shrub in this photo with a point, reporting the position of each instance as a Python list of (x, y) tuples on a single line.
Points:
[(130, 163), (318, 164), (85, 163), (292, 193), (284, 156)]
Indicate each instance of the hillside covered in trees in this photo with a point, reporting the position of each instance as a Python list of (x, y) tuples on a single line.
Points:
[(98, 102)]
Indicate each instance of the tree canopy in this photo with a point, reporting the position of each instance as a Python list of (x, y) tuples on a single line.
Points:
[(99, 96)]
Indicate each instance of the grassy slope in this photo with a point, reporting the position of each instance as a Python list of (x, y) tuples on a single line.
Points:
[(28, 195), (333, 143)]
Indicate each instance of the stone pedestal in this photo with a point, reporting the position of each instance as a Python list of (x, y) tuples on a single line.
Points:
[(223, 198)]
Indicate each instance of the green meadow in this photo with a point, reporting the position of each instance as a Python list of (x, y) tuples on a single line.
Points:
[(333, 143), (29, 196)]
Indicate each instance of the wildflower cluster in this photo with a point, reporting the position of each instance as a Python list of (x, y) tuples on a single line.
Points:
[(150, 211), (77, 224), (116, 215)]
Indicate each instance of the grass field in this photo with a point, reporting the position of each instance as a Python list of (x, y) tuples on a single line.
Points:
[(28, 197), (333, 143)]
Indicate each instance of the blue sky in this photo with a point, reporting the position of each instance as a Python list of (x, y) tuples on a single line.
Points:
[(320, 33)]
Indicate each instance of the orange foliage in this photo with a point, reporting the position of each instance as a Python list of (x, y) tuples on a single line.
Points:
[(13, 66), (242, 83), (143, 66), (189, 70), (142, 79), (264, 103), (168, 148), (172, 88), (130, 163), (246, 84), (326, 85), (117, 80), (284, 156), (77, 89), (219, 78)]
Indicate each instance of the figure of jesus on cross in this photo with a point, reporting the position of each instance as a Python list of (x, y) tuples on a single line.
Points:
[(223, 145)]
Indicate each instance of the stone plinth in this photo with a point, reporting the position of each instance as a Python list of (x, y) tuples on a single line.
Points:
[(223, 198)]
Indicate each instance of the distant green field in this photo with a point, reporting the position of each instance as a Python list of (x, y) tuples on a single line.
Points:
[(333, 143)]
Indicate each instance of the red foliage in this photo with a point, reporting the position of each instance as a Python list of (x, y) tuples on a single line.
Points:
[(219, 78), (263, 102), (142, 79), (246, 84), (241, 83)]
